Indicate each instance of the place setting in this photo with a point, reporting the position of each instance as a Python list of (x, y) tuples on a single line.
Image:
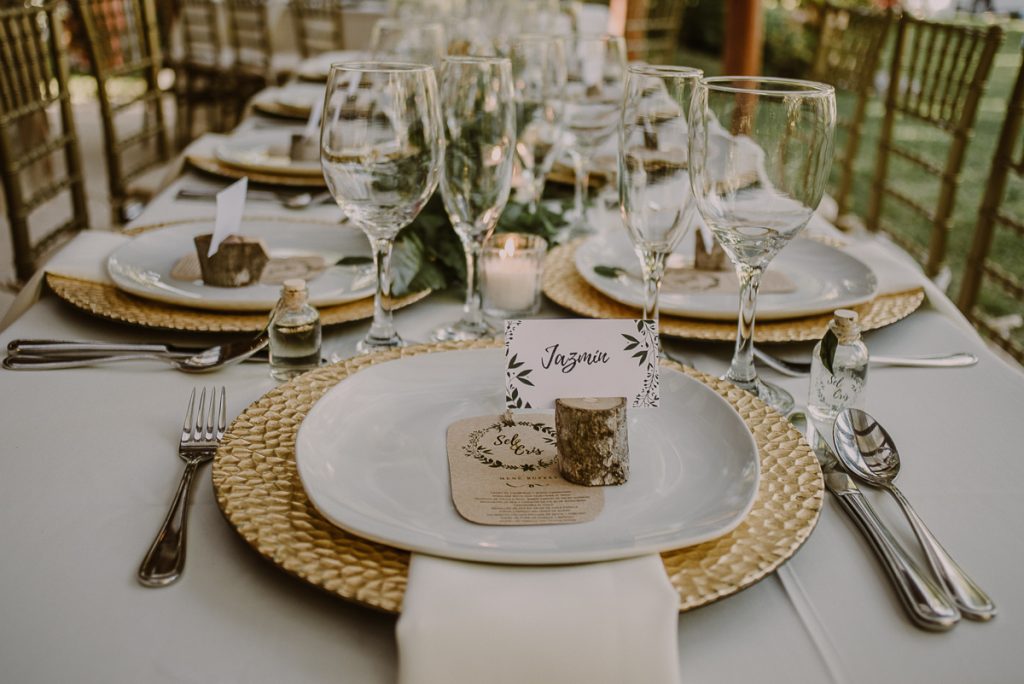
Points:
[(663, 425)]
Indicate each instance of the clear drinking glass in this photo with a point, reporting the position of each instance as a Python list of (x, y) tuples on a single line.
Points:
[(409, 41), (654, 182), (380, 148), (539, 75), (760, 153), (593, 105), (479, 119)]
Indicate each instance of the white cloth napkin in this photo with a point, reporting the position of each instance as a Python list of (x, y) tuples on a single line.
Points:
[(84, 258), (600, 623)]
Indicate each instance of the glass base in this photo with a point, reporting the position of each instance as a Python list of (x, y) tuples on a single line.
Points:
[(577, 228), (372, 345), (463, 330), (773, 395)]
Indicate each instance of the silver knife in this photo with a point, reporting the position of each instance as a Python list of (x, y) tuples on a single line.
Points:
[(927, 605)]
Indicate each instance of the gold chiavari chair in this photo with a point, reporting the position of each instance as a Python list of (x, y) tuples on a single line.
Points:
[(937, 78), (850, 45), (125, 54), (652, 29), (989, 290), (41, 164), (319, 26), (203, 71)]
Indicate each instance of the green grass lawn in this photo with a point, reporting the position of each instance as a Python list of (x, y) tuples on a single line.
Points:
[(1008, 250)]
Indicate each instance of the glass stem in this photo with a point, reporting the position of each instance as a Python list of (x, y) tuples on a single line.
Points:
[(653, 266), (741, 370), (383, 327), (471, 309), (579, 194)]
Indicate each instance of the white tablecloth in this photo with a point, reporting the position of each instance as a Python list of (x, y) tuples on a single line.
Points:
[(88, 466)]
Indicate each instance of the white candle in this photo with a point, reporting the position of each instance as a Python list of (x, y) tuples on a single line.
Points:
[(510, 277)]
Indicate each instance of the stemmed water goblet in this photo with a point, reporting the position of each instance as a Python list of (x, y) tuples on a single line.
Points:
[(380, 149), (760, 154), (654, 184), (404, 40), (539, 76), (478, 117), (594, 91)]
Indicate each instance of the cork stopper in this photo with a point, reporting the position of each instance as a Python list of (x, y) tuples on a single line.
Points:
[(845, 325), (293, 293)]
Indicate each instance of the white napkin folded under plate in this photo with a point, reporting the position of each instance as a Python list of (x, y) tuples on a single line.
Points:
[(600, 623)]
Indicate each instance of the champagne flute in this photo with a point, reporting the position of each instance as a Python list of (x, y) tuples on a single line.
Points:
[(403, 40), (539, 75), (593, 94), (760, 154), (478, 116), (380, 149), (654, 182)]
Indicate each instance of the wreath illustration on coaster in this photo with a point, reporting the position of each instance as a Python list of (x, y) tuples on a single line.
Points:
[(485, 454)]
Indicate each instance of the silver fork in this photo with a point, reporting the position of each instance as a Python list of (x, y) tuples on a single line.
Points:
[(165, 559)]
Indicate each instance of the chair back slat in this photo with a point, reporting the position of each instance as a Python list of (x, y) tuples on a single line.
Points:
[(249, 34), (40, 159), (319, 26), (937, 77), (124, 42), (652, 29), (850, 44), (990, 295)]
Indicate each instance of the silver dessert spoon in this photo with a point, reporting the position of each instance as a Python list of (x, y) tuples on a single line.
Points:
[(208, 360), (868, 451), (801, 368)]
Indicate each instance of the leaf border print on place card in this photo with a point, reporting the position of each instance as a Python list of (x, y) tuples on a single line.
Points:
[(546, 359)]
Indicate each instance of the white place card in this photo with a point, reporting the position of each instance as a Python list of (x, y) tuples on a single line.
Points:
[(230, 207), (546, 359)]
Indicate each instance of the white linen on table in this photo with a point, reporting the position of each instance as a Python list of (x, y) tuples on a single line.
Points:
[(598, 623), (84, 258)]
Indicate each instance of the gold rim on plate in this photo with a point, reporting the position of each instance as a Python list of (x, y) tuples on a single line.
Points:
[(215, 167), (564, 286), (257, 485), (106, 301)]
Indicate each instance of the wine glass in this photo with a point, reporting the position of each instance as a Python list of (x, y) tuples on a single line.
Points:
[(380, 149), (539, 75), (478, 116), (760, 153), (654, 182), (409, 41), (593, 94)]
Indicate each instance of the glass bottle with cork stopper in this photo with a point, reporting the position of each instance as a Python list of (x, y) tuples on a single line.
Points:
[(839, 370), (294, 333)]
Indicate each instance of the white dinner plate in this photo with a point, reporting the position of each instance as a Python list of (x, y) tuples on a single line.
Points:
[(143, 266), (824, 277), (372, 457), (265, 152), (300, 97), (317, 68)]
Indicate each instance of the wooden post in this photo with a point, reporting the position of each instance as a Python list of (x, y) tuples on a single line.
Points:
[(744, 38)]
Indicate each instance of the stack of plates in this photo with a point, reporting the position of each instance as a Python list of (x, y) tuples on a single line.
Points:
[(144, 292), (823, 278)]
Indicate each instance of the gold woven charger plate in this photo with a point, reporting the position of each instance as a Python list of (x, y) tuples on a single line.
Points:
[(215, 167), (257, 485), (106, 301), (564, 286), (274, 108)]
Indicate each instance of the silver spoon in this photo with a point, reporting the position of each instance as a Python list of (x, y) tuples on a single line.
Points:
[(211, 359), (801, 368), (305, 199), (868, 451)]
